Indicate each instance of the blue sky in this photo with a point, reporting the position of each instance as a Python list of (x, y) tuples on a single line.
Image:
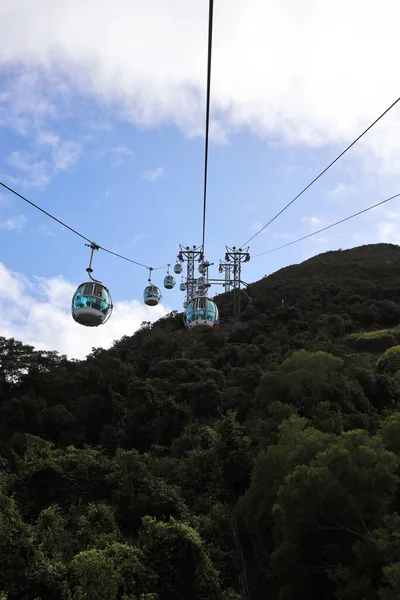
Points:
[(107, 135)]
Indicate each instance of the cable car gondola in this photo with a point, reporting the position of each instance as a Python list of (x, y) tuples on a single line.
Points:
[(169, 280), (178, 268), (201, 314), (182, 286), (91, 303), (201, 283), (151, 295)]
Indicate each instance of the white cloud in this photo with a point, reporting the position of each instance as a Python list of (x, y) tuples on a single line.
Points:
[(154, 175), (117, 154), (137, 238), (316, 90), (379, 225), (47, 138), (50, 156), (388, 226), (65, 155), (35, 171), (14, 223), (23, 99), (37, 312), (121, 150), (340, 190), (282, 236), (312, 220), (44, 230), (255, 227)]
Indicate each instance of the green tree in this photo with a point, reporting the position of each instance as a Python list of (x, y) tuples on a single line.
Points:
[(335, 500), (389, 362), (177, 554)]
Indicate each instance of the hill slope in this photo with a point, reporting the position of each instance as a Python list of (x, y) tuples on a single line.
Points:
[(174, 466)]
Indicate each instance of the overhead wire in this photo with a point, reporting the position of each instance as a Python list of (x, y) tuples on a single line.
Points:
[(74, 230), (206, 151), (44, 211), (328, 226), (324, 171), (208, 96)]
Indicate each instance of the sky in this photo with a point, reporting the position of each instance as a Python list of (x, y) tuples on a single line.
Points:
[(102, 114)]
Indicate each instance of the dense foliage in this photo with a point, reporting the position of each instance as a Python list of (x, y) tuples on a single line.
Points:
[(261, 459)]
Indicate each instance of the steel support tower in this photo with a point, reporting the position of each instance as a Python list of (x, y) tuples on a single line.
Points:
[(190, 255), (237, 256), (226, 268)]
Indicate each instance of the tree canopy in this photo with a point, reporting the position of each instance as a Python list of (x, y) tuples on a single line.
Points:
[(261, 457)]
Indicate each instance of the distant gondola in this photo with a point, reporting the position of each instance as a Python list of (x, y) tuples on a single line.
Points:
[(152, 294), (169, 282), (178, 268)]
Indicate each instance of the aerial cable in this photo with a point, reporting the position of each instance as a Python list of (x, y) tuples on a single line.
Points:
[(44, 211), (98, 247), (208, 95), (324, 171), (328, 226), (130, 260)]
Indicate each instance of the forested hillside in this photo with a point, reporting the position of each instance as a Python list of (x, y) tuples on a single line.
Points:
[(259, 461)]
